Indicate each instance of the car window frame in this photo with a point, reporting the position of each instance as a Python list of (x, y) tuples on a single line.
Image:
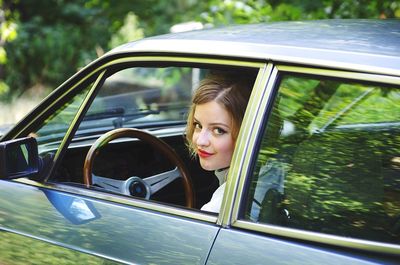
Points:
[(253, 132), (95, 72)]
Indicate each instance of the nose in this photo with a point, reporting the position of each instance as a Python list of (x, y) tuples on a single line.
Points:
[(203, 138)]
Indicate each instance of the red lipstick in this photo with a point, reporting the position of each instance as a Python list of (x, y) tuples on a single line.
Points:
[(203, 154)]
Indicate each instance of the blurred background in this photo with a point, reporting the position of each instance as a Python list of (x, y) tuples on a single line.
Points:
[(44, 42)]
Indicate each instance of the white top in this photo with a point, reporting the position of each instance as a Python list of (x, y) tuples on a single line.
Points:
[(214, 204)]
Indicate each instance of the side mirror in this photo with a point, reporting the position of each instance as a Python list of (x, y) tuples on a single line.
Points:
[(19, 158)]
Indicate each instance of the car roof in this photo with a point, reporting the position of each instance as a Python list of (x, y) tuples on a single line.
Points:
[(353, 44)]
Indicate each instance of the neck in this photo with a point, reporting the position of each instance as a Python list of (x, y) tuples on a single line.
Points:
[(221, 174), (222, 169)]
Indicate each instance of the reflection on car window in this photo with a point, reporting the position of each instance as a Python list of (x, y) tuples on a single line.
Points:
[(329, 160), (50, 134), (136, 97)]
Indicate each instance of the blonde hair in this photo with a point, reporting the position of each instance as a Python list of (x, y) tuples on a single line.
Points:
[(231, 93)]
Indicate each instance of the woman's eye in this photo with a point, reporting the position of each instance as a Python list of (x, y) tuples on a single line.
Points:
[(219, 131), (197, 125)]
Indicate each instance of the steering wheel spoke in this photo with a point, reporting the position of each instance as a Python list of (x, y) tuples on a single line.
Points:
[(161, 180), (113, 185)]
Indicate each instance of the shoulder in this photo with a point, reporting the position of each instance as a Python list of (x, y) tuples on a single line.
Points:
[(215, 203)]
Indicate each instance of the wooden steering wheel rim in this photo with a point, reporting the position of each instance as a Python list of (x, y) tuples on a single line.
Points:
[(159, 144)]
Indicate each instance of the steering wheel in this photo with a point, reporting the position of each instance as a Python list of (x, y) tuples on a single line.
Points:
[(136, 186)]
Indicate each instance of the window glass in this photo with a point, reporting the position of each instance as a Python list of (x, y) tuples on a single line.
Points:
[(53, 130), (142, 96), (329, 160)]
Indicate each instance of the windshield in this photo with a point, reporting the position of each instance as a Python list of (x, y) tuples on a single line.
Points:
[(142, 96)]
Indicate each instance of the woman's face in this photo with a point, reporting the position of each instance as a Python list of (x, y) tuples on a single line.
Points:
[(212, 137)]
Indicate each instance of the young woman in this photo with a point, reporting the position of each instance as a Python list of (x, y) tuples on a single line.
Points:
[(214, 120)]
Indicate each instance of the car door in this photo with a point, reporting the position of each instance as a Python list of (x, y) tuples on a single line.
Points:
[(319, 172), (56, 209), (43, 225)]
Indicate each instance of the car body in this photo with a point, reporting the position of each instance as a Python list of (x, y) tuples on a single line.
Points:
[(314, 179)]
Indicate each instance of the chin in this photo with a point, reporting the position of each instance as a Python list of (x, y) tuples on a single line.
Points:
[(207, 166)]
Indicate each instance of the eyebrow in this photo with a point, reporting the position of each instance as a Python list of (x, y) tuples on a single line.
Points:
[(214, 123)]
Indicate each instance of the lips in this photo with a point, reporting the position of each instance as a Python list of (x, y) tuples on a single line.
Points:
[(203, 154)]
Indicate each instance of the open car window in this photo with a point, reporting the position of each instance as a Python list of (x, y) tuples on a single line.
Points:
[(151, 98), (329, 160), (142, 97)]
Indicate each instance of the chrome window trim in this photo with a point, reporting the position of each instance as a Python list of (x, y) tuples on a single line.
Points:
[(328, 239), (78, 114), (379, 78), (131, 201), (239, 196), (245, 139), (138, 59), (123, 200)]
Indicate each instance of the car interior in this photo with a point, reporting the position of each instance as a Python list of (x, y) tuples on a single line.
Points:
[(150, 99)]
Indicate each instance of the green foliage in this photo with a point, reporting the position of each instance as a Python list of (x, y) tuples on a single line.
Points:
[(46, 41), (8, 32), (53, 41), (129, 31), (4, 89), (335, 156), (255, 11), (43, 54)]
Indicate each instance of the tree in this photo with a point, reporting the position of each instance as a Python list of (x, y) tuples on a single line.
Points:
[(50, 40), (8, 32)]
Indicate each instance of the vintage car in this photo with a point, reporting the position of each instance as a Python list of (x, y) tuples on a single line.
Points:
[(100, 172)]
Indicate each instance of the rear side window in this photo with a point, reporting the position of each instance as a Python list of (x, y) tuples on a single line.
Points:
[(329, 160)]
